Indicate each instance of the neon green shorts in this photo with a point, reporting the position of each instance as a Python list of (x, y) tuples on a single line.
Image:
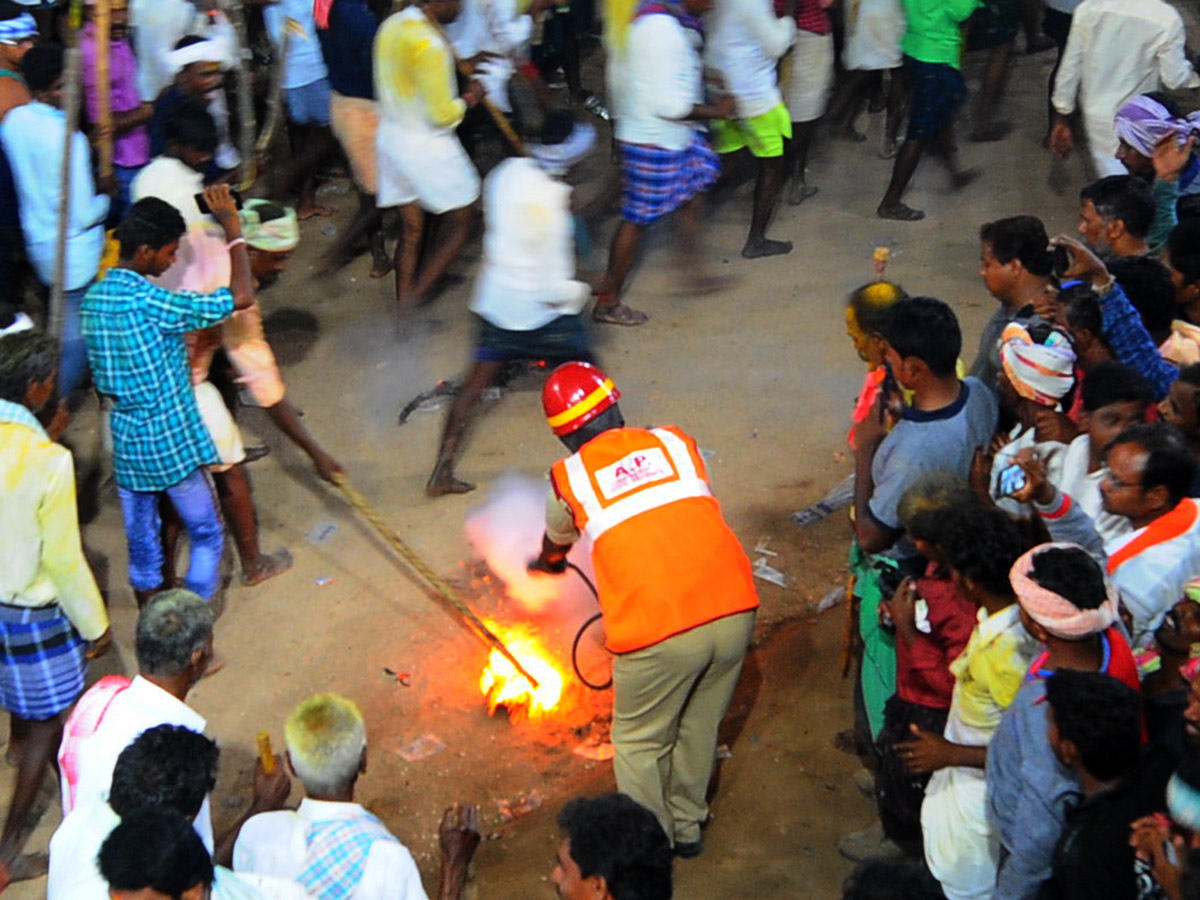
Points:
[(763, 134)]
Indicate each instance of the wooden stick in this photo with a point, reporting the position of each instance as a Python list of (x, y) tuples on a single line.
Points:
[(235, 11), (418, 565), (58, 289), (275, 113), (102, 16), (266, 753), (850, 629)]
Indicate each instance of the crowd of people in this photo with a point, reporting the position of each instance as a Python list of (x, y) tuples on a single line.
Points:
[(1026, 554)]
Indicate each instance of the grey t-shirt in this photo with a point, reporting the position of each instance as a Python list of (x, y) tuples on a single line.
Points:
[(931, 441)]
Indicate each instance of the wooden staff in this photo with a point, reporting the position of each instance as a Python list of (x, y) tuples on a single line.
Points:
[(235, 11), (275, 114), (71, 77), (102, 16)]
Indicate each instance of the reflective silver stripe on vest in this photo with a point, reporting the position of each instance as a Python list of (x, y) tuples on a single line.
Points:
[(600, 519)]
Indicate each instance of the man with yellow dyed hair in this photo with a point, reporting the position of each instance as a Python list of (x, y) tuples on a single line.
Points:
[(422, 164), (331, 845)]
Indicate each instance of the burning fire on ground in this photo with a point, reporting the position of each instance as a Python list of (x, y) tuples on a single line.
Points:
[(502, 685)]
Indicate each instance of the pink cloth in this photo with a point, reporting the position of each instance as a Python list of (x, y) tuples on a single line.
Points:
[(1056, 613), (84, 720)]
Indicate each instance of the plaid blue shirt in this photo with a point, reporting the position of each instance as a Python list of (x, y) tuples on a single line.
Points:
[(134, 332), (1131, 343)]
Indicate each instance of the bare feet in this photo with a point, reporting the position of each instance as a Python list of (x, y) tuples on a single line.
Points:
[(380, 267), (442, 481), (888, 148), (316, 211), (899, 212), (268, 566), (960, 180), (798, 192), (758, 247), (618, 314)]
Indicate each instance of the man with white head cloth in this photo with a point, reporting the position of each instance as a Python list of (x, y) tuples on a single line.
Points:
[(1034, 376), (198, 65)]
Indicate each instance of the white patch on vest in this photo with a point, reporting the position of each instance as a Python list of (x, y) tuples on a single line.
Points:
[(638, 468)]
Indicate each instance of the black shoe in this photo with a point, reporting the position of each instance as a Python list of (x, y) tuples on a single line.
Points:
[(254, 454), (688, 849)]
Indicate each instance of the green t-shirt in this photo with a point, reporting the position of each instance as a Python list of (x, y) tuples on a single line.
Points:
[(935, 29)]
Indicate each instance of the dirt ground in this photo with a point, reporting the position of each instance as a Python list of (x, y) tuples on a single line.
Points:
[(762, 375)]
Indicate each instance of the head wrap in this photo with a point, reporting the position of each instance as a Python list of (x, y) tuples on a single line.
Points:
[(558, 158), (1056, 613), (23, 26), (201, 51), (275, 235), (1042, 373), (1143, 122), (1183, 803)]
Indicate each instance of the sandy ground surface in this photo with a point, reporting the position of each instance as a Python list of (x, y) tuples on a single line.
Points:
[(762, 375)]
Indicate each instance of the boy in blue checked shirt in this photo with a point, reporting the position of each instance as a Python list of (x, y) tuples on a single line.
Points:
[(135, 339)]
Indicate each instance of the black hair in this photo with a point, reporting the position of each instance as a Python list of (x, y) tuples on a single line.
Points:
[(1070, 573), (1189, 881), (1166, 103), (1083, 310), (155, 849), (1183, 250), (1019, 237), (188, 40), (151, 222), (1147, 283), (167, 766), (1101, 716), (556, 127), (269, 211), (925, 328), (1169, 461), (617, 838), (871, 303), (11, 10), (191, 125), (926, 508), (982, 545), (891, 879), (42, 66), (610, 418), (1112, 382), (25, 357), (1191, 375), (1125, 198)]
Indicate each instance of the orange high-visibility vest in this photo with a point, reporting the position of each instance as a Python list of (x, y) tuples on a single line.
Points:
[(665, 560)]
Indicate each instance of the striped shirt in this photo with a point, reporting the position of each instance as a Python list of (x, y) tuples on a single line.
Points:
[(135, 340)]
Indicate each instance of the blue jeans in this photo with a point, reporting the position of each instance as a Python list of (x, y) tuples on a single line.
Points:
[(193, 500), (73, 367)]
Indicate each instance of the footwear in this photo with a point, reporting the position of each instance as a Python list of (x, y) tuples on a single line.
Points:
[(688, 849), (618, 314), (869, 844), (254, 454), (899, 212)]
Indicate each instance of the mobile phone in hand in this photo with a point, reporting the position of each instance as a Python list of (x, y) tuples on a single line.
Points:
[(203, 204)]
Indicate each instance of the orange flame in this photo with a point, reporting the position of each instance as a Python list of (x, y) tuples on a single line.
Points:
[(502, 685)]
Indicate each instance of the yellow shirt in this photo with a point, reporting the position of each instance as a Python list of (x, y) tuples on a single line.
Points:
[(414, 73), (41, 558), (988, 674)]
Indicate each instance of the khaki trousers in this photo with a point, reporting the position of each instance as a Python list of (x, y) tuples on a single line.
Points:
[(669, 700)]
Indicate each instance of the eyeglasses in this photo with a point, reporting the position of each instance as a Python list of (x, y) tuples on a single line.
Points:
[(1115, 482)]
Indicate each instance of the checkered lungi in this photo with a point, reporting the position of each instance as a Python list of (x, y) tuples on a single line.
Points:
[(42, 661), (658, 181)]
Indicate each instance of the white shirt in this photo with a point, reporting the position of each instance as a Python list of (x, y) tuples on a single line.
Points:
[(654, 81), (1083, 487), (744, 41), (527, 276), (274, 843), (141, 706), (304, 63), (32, 136), (496, 27), (1116, 50), (1049, 452), (174, 181)]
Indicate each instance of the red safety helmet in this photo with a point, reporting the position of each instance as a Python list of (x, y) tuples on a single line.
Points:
[(574, 394)]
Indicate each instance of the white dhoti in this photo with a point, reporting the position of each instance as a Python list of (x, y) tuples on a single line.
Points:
[(427, 167), (1102, 144)]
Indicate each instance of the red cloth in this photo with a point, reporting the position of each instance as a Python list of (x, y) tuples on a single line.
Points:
[(923, 670), (809, 15)]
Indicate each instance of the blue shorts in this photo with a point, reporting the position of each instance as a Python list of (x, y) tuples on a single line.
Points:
[(936, 91), (309, 104)]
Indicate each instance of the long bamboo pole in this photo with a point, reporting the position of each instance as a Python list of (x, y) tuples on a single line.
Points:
[(102, 16), (58, 289), (235, 11)]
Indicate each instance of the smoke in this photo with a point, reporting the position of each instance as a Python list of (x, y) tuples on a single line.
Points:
[(506, 531)]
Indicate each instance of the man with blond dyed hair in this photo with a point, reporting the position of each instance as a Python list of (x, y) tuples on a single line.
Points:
[(331, 845)]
